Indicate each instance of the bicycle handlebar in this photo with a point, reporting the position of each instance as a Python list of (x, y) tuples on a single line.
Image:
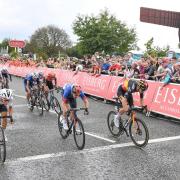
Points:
[(57, 89)]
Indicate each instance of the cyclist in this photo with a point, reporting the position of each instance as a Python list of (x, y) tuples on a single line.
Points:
[(5, 98), (29, 81), (41, 79), (6, 77), (69, 94), (50, 82), (124, 94)]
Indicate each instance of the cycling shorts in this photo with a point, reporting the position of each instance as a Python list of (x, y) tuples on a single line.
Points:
[(3, 108), (71, 101), (128, 96)]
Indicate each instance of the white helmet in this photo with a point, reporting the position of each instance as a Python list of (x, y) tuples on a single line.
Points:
[(34, 75), (40, 75), (6, 93), (4, 69)]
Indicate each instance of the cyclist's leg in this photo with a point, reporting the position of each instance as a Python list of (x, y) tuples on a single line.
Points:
[(73, 104), (3, 111), (10, 111), (49, 86)]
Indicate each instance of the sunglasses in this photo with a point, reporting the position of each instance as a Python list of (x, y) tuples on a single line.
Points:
[(6, 100)]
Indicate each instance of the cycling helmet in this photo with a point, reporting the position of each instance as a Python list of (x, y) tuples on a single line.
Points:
[(6, 94), (34, 75), (143, 85), (40, 75), (4, 69), (51, 75), (76, 89)]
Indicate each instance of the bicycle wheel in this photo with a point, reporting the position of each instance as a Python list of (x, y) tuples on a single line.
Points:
[(56, 105), (139, 132), (39, 105), (79, 134), (63, 132), (115, 131), (45, 103), (31, 104), (2, 146)]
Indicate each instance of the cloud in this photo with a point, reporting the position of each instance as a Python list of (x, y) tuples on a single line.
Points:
[(20, 18)]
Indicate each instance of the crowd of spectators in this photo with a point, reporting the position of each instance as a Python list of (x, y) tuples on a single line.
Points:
[(159, 69)]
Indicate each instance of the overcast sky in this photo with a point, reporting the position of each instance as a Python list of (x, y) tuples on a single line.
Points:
[(20, 18)]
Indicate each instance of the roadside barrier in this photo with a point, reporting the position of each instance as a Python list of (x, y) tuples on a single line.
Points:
[(165, 101)]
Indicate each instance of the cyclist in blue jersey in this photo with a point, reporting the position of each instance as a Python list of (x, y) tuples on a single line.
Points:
[(69, 94), (29, 81)]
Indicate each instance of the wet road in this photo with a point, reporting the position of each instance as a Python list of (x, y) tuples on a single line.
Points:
[(36, 151)]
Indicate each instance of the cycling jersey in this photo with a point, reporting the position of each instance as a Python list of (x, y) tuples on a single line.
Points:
[(50, 78), (67, 95), (127, 88), (32, 82), (5, 73), (49, 82)]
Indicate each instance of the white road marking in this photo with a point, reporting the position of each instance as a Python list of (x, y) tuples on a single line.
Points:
[(95, 149), (99, 137), (24, 97), (20, 105), (89, 134)]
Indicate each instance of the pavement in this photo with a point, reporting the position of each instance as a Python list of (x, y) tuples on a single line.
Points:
[(35, 149)]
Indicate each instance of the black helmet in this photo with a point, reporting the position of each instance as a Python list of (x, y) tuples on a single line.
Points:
[(143, 85)]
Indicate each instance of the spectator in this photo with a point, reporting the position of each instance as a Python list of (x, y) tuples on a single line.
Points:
[(105, 66), (114, 68)]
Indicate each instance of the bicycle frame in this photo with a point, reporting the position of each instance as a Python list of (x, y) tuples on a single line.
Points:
[(51, 98), (72, 120)]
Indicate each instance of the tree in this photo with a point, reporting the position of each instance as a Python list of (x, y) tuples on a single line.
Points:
[(5, 43), (49, 40), (103, 33), (155, 51)]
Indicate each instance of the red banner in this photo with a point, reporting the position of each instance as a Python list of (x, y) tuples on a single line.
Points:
[(16, 43), (97, 86), (165, 101)]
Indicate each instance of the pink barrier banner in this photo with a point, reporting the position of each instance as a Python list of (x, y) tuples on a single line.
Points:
[(97, 86), (167, 100), (113, 86)]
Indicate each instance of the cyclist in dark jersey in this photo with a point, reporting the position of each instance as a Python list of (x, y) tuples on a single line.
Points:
[(125, 92)]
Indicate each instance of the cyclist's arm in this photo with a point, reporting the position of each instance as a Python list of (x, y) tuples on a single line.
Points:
[(55, 80), (86, 102), (10, 77), (141, 99)]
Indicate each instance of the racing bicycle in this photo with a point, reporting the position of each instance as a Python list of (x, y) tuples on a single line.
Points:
[(36, 100), (75, 125), (52, 102), (132, 126)]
